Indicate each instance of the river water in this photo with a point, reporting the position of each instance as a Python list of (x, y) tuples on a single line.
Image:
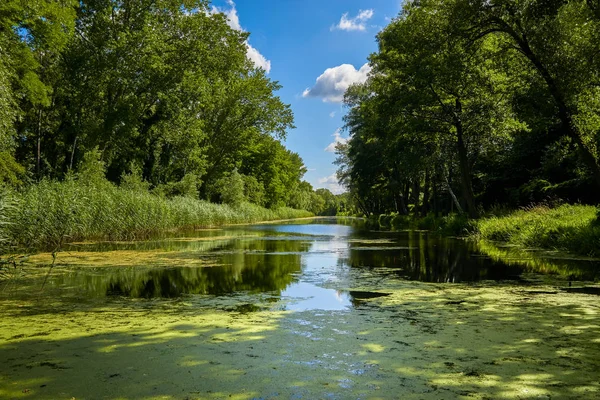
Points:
[(324, 308)]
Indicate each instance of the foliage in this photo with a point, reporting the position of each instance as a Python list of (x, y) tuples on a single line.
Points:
[(160, 92), (231, 189), (471, 104), (254, 191), (92, 169), (134, 180), (11, 172)]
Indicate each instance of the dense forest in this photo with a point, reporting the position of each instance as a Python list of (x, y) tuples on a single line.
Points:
[(159, 92), (470, 105), (473, 104)]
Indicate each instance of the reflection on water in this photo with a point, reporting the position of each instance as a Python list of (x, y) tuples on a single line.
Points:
[(306, 296), (289, 262)]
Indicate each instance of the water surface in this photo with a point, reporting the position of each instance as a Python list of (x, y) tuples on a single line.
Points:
[(326, 309), (291, 266)]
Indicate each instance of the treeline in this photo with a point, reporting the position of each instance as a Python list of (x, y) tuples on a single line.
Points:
[(477, 103), (158, 90)]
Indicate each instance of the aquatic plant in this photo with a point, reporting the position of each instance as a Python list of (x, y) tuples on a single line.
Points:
[(51, 213)]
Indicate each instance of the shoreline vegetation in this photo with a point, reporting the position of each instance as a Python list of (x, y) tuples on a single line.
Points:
[(571, 228), (46, 215), (474, 111)]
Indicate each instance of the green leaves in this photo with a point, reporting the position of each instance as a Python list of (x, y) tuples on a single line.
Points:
[(459, 87), (161, 85)]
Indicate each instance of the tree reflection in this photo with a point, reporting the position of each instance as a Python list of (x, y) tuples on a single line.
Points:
[(425, 257), (250, 266)]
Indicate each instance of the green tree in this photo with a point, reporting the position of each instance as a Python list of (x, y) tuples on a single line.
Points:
[(32, 36), (254, 191), (231, 188), (559, 40), (446, 86)]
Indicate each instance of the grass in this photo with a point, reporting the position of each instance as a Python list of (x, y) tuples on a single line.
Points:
[(45, 215), (572, 228)]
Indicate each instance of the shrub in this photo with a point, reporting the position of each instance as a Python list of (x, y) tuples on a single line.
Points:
[(231, 189)]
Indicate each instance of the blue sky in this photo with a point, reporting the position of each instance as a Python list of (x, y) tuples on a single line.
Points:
[(300, 41)]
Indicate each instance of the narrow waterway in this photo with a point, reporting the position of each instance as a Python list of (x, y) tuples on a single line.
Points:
[(318, 309)]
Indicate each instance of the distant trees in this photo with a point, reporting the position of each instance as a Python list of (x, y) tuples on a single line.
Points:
[(472, 103)]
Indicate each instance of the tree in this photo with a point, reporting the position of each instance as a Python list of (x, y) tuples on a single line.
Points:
[(446, 86), (560, 40), (254, 191), (32, 36), (162, 84), (231, 189)]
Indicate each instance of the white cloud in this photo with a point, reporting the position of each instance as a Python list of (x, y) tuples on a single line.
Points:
[(233, 20), (354, 24), (331, 182), (258, 59), (333, 83), (338, 140), (332, 114)]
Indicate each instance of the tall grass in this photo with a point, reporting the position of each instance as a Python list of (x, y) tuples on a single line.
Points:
[(50, 213), (573, 228)]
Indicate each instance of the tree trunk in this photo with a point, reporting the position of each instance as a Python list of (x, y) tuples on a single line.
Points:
[(564, 112), (434, 188), (73, 153), (425, 205), (416, 194), (463, 161), (406, 193), (454, 199), (403, 210), (452, 195), (39, 145)]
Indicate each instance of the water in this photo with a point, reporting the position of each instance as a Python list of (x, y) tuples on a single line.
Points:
[(294, 267), (326, 309)]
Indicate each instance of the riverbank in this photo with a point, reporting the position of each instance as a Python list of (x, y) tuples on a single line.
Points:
[(571, 228), (49, 214)]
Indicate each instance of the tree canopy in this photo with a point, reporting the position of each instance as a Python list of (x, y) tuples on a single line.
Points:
[(160, 91), (476, 103)]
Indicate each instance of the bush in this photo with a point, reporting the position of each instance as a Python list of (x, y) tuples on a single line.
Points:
[(385, 220), (430, 222), (456, 225), (254, 191), (400, 221), (231, 189)]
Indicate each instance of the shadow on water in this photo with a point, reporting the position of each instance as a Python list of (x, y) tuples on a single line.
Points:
[(424, 349), (425, 257)]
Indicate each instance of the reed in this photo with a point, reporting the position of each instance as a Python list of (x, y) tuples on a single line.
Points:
[(43, 216)]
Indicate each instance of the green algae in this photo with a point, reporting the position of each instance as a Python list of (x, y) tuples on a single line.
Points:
[(418, 341), (401, 339)]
